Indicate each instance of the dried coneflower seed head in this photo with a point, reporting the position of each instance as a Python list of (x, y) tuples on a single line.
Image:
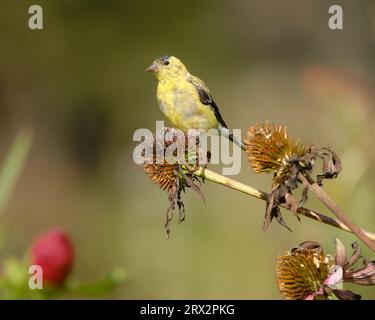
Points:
[(300, 273), (174, 172), (271, 150), (163, 175), (167, 169), (162, 171)]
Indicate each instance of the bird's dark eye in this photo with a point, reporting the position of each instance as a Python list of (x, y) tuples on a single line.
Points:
[(165, 62)]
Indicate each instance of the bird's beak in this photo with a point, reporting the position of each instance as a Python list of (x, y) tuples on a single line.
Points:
[(153, 68)]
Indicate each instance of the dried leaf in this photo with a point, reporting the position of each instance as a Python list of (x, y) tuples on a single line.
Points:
[(272, 208), (279, 218), (173, 197), (355, 256), (312, 245), (304, 197), (189, 182), (292, 204), (181, 210), (269, 208), (331, 166)]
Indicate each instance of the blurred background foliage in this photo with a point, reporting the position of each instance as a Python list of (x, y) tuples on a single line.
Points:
[(80, 84)]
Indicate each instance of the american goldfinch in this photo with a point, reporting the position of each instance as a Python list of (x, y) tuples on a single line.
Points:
[(185, 99)]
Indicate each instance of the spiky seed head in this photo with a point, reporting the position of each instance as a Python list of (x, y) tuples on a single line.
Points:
[(163, 175), (271, 150), (165, 170), (300, 273)]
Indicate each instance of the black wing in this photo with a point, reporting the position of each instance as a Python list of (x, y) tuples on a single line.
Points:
[(206, 99)]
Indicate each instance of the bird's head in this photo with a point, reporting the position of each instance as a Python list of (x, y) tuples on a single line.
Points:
[(167, 67)]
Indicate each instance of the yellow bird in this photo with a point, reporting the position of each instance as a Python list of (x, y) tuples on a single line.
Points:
[(185, 99)]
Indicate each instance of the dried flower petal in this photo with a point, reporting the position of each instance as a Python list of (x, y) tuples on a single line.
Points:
[(335, 276), (346, 295), (355, 256), (309, 245), (363, 276), (340, 257), (272, 208), (331, 165)]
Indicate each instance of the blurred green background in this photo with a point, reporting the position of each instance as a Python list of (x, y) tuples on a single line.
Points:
[(80, 85)]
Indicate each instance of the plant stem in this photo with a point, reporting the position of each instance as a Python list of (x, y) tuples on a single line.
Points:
[(332, 206), (233, 184)]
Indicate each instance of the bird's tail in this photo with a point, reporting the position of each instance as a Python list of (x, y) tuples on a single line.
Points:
[(237, 141), (228, 133)]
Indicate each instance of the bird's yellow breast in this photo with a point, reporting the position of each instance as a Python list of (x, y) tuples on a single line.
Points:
[(179, 101)]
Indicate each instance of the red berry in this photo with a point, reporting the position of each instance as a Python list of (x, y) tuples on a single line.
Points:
[(54, 253)]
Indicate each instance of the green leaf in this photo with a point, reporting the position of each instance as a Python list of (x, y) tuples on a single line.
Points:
[(108, 283), (14, 279), (12, 165)]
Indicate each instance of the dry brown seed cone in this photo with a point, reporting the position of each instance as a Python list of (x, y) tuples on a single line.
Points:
[(270, 150), (300, 273), (163, 175)]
